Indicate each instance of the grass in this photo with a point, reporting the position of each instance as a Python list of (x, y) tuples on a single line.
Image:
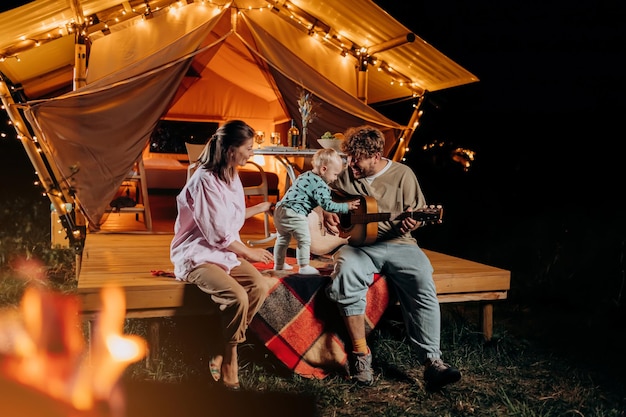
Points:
[(510, 376), (550, 356), (26, 254)]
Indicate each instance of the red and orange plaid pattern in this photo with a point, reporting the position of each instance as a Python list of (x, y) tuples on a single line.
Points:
[(304, 330)]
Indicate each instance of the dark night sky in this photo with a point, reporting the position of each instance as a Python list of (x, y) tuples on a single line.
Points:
[(546, 114)]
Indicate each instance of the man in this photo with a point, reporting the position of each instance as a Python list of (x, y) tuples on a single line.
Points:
[(395, 254)]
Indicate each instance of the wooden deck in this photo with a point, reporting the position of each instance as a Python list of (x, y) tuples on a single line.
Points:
[(127, 259), (124, 254)]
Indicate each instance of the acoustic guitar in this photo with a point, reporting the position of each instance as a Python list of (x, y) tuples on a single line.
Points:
[(360, 226)]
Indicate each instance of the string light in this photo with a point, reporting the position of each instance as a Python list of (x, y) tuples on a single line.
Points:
[(323, 33), (292, 13)]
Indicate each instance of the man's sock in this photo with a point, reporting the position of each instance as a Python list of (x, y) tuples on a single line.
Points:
[(360, 346)]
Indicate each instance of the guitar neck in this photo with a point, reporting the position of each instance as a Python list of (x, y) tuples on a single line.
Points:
[(364, 218), (420, 215)]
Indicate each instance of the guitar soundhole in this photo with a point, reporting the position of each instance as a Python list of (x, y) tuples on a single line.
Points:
[(344, 221)]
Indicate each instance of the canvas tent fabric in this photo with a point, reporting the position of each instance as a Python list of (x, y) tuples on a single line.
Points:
[(43, 69), (205, 62)]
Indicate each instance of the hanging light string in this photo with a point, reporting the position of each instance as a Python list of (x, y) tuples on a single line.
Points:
[(145, 9)]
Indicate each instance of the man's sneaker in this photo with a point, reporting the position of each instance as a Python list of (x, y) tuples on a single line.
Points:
[(361, 368), (437, 374)]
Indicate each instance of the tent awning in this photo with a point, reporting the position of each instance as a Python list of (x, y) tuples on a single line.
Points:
[(200, 61), (316, 29)]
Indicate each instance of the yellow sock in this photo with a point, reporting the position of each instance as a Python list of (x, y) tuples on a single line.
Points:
[(360, 345)]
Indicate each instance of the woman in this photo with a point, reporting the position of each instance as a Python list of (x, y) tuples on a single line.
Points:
[(207, 250)]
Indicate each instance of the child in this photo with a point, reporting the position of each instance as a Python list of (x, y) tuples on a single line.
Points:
[(308, 191)]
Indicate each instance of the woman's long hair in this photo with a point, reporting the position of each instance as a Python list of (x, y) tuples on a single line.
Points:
[(217, 153)]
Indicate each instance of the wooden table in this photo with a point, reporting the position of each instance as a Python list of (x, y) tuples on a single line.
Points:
[(283, 155)]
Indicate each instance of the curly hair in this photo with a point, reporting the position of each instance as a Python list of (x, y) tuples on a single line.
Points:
[(363, 142)]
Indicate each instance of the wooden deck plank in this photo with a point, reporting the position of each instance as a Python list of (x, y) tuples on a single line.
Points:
[(128, 259)]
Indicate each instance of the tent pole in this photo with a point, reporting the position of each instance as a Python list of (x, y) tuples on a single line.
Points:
[(361, 79), (60, 197), (407, 134), (80, 80), (80, 60), (80, 45)]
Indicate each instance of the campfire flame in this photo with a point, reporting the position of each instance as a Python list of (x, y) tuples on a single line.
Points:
[(42, 347)]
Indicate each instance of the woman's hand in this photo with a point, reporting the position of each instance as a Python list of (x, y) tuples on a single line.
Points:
[(259, 208), (259, 255), (251, 254), (266, 206)]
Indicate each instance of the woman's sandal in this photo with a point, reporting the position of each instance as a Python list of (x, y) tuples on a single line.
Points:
[(231, 387), (215, 369)]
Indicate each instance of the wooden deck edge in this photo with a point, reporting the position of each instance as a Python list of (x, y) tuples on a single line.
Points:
[(149, 313), (196, 307), (476, 296)]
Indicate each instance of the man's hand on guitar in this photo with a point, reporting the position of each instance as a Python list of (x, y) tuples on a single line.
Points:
[(361, 225), (409, 224), (331, 223)]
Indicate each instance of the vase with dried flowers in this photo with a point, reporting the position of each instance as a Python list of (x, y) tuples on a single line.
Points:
[(307, 107)]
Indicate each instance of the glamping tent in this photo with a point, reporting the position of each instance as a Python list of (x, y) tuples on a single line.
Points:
[(86, 81)]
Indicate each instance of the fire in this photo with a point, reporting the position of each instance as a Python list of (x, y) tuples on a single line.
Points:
[(43, 347)]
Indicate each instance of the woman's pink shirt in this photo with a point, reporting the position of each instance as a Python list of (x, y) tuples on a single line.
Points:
[(211, 214)]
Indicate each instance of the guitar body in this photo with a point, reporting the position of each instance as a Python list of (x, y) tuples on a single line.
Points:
[(322, 243), (360, 233), (360, 227)]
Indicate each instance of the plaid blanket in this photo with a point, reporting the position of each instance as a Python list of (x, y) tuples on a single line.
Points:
[(304, 330)]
